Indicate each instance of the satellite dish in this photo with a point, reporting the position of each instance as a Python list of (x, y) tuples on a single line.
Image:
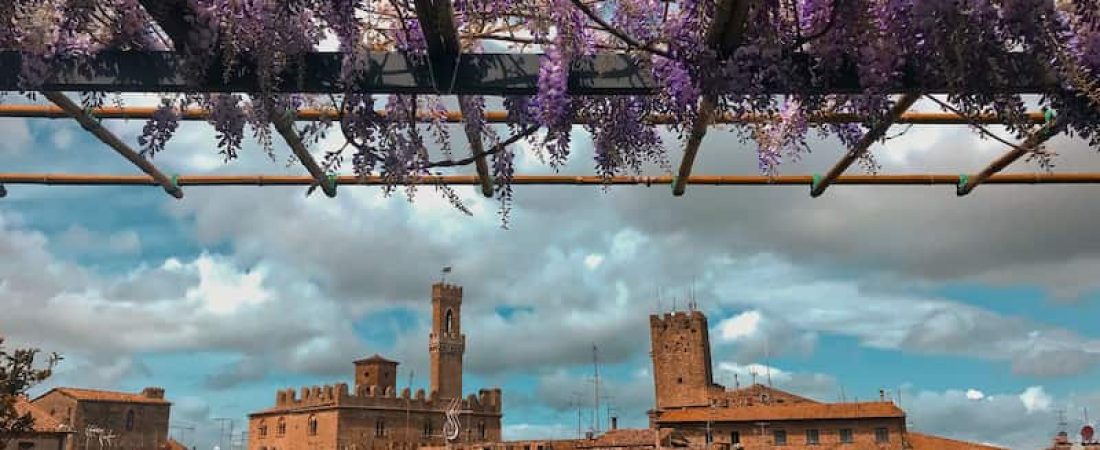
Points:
[(1087, 433)]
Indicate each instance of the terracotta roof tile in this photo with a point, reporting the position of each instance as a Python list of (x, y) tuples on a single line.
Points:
[(108, 396), (376, 358), (753, 393), (43, 421), (621, 438), (920, 441), (799, 411)]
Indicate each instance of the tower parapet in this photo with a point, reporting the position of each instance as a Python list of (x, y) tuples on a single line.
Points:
[(486, 401)]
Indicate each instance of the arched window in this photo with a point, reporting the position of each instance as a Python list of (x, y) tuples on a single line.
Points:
[(130, 420), (450, 320), (280, 428), (481, 430), (263, 428), (312, 425), (427, 428)]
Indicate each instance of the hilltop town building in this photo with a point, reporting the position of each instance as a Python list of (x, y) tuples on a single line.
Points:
[(121, 420), (373, 415), (755, 417), (46, 434)]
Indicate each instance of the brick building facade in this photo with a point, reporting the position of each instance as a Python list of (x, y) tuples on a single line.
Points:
[(373, 415), (136, 421)]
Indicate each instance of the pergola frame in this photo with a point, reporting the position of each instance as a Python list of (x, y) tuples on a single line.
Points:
[(447, 71)]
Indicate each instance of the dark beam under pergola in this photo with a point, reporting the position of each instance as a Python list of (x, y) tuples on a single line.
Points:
[(495, 74)]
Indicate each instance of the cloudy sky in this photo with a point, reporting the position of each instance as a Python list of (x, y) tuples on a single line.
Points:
[(978, 314)]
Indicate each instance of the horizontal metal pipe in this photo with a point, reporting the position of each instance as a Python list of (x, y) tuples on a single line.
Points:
[(313, 114), (717, 180)]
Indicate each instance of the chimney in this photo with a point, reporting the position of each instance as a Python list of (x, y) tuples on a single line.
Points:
[(614, 423), (588, 435), (153, 392), (882, 394)]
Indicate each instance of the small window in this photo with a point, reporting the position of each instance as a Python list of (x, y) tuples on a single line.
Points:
[(130, 420), (427, 428), (845, 435), (379, 428), (813, 437), (280, 429), (481, 430), (735, 437), (882, 434), (450, 320), (312, 425), (26, 445), (780, 437), (263, 428), (680, 380)]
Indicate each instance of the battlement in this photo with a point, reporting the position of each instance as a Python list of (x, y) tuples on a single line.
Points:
[(677, 319), (485, 401), (443, 291)]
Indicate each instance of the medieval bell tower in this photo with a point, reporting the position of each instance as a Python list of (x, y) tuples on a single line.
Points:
[(446, 343)]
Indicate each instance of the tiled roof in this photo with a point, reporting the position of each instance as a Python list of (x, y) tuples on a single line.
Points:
[(799, 411), (375, 358), (637, 437), (621, 438), (43, 421), (108, 396), (920, 441), (753, 394)]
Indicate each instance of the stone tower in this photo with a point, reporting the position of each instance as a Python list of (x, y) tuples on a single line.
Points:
[(446, 343), (376, 371), (681, 359)]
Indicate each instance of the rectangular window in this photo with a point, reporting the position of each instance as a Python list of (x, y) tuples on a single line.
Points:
[(780, 437), (710, 437), (845, 435), (882, 434), (735, 438), (379, 428), (813, 437)]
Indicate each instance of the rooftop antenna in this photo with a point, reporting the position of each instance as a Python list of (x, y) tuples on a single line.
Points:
[(577, 404), (842, 399), (736, 382), (753, 373), (443, 274), (767, 362), (596, 372), (691, 296), (1061, 420)]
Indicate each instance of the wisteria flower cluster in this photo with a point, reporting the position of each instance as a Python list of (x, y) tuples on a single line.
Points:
[(792, 46)]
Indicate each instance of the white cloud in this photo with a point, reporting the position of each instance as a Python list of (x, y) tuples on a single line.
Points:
[(223, 289), (974, 394), (739, 326), (17, 136), (1035, 399), (593, 261)]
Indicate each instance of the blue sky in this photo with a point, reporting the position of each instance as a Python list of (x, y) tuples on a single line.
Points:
[(981, 311)]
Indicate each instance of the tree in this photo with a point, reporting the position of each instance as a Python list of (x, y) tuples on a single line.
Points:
[(17, 375)]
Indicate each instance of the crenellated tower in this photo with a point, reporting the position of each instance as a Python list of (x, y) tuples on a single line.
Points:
[(680, 349), (446, 343)]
